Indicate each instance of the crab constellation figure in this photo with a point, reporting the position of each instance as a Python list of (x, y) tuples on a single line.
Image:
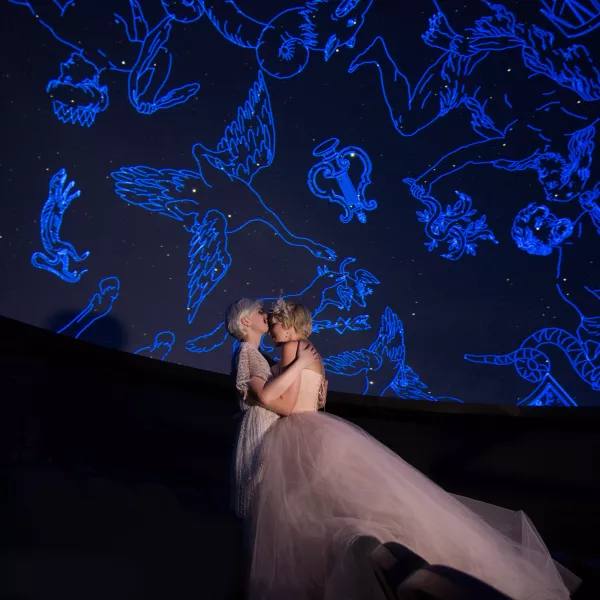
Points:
[(100, 304), (383, 364), (223, 174), (102, 39), (58, 254)]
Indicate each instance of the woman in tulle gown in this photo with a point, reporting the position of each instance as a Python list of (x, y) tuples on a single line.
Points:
[(309, 484)]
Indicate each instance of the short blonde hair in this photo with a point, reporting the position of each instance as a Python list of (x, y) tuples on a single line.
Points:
[(236, 312), (293, 315)]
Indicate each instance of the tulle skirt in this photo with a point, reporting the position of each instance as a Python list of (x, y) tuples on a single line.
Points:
[(326, 482)]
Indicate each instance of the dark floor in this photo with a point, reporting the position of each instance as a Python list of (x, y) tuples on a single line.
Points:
[(78, 535)]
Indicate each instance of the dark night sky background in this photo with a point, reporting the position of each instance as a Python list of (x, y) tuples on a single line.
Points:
[(483, 304)]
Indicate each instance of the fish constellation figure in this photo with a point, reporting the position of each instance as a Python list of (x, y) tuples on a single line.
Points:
[(160, 347), (383, 364), (100, 304), (337, 186), (103, 40), (452, 225), (223, 174), (573, 18), (338, 288), (58, 254)]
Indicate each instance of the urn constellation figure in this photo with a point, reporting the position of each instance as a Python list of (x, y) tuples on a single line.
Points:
[(334, 169)]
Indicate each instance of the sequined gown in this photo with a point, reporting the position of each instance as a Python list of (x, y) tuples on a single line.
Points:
[(309, 484)]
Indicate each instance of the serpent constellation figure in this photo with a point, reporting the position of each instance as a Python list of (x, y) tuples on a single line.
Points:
[(385, 361), (337, 288), (161, 346), (57, 253), (101, 39), (99, 306), (225, 173), (539, 232)]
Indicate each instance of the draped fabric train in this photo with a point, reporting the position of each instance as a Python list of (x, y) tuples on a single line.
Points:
[(325, 481)]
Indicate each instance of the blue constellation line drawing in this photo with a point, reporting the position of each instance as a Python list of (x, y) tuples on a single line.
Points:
[(539, 232), (99, 306), (58, 253), (448, 83), (77, 95), (341, 325), (247, 146), (573, 18), (133, 48), (334, 170), (452, 225), (160, 347), (385, 361), (548, 393), (285, 43), (533, 365), (338, 288)]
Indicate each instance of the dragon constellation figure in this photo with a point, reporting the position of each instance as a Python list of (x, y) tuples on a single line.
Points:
[(99, 306), (102, 39), (383, 364), (223, 174), (57, 253), (161, 346), (338, 289)]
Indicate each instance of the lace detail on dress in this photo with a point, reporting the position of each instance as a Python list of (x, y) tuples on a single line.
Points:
[(250, 363), (256, 421)]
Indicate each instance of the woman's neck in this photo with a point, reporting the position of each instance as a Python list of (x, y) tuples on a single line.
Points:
[(252, 338)]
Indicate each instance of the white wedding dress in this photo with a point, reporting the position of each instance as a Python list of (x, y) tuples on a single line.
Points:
[(311, 483)]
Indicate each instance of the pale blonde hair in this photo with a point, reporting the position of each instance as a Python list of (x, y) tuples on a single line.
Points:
[(236, 312), (293, 315)]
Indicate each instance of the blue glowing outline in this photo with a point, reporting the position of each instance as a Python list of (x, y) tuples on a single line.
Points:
[(87, 86), (57, 253), (333, 168), (573, 18), (339, 289), (548, 393), (146, 78), (460, 55), (285, 43), (247, 146), (452, 225), (385, 359), (99, 306), (161, 346)]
